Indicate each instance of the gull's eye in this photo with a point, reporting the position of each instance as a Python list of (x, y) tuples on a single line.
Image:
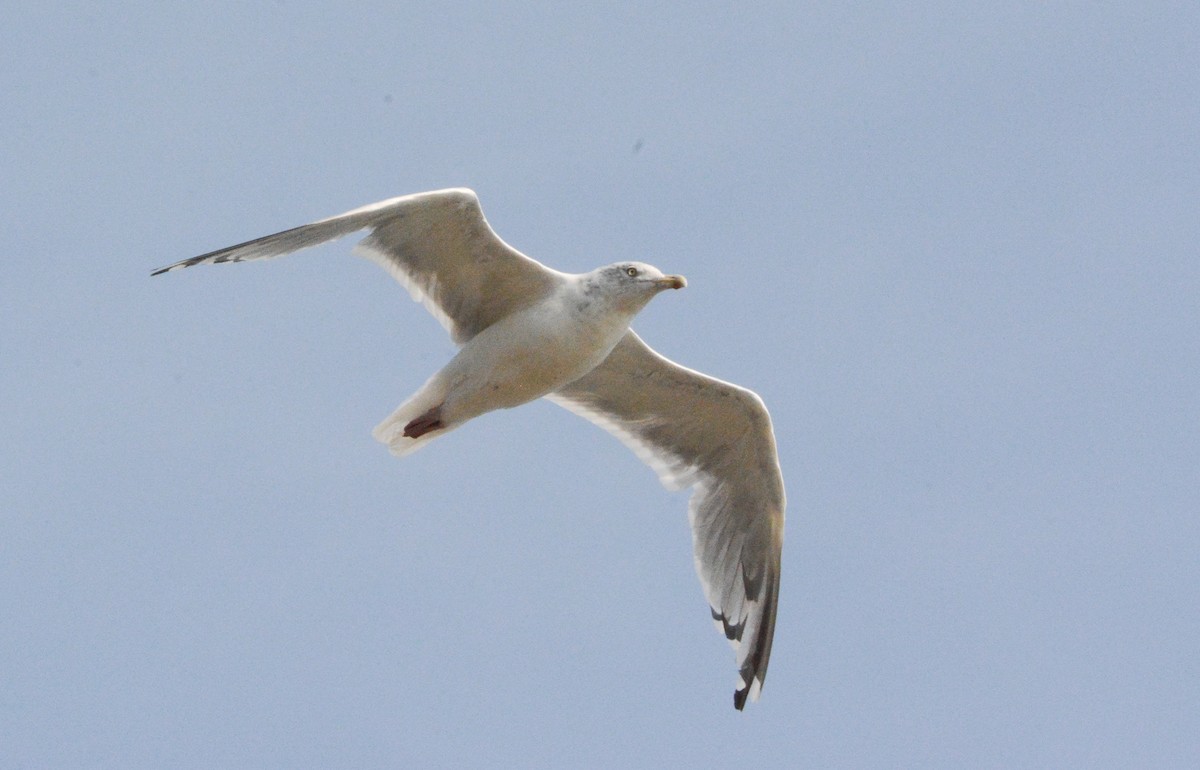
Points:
[(631, 272)]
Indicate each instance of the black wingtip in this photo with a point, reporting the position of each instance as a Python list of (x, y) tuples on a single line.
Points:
[(739, 698)]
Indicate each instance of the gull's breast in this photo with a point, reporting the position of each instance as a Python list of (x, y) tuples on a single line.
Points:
[(527, 355)]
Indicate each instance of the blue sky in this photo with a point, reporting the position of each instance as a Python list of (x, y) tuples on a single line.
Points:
[(953, 246)]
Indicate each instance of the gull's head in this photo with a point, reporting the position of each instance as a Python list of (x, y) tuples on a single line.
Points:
[(632, 284)]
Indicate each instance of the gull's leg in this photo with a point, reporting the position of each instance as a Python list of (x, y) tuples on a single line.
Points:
[(430, 421)]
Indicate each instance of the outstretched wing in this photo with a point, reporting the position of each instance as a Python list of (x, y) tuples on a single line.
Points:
[(698, 431), (437, 244)]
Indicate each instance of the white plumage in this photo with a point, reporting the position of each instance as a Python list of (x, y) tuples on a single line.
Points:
[(527, 331)]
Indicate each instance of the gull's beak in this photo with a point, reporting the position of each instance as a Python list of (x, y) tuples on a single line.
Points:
[(672, 282)]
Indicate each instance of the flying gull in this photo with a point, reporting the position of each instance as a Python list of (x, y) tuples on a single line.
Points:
[(527, 331)]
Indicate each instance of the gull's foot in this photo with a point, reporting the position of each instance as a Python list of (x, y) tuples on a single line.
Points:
[(431, 420)]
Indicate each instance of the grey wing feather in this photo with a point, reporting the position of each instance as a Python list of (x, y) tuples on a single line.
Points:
[(437, 245), (695, 430)]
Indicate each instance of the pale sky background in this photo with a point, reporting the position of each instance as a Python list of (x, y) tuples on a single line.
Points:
[(953, 246)]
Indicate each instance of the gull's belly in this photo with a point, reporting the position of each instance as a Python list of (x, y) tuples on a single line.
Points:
[(524, 358)]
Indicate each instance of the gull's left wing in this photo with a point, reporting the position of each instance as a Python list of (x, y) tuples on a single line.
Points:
[(695, 430), (436, 244)]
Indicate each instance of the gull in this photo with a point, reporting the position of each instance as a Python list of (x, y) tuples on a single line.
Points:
[(526, 331)]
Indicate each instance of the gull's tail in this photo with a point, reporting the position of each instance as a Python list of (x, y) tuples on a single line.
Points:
[(391, 430)]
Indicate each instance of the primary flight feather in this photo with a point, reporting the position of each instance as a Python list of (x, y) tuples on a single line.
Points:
[(526, 331)]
